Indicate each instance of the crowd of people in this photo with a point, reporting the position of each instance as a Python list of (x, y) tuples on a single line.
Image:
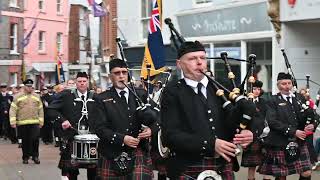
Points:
[(202, 128)]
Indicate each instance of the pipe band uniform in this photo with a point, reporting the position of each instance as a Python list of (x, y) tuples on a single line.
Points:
[(124, 140), (75, 113), (286, 149), (195, 122)]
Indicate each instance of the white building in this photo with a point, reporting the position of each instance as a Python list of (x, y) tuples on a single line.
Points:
[(238, 27), (301, 40)]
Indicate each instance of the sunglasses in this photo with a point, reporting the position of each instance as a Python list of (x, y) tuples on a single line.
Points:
[(117, 73)]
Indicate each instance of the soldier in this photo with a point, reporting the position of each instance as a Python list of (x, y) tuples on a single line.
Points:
[(67, 110), (26, 112), (286, 148), (47, 130)]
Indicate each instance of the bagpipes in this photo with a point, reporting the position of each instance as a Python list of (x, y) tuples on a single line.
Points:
[(146, 112), (231, 98), (292, 148), (309, 112), (247, 109)]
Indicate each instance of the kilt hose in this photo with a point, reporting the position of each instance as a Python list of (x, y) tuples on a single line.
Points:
[(158, 163), (142, 168), (192, 172), (252, 156), (275, 163), (67, 165)]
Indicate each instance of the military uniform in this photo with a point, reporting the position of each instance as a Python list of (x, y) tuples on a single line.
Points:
[(47, 136)]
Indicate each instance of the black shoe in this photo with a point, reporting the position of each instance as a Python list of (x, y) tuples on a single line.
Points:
[(20, 146), (56, 145), (36, 160), (25, 161)]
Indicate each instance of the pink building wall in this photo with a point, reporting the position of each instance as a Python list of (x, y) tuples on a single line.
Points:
[(51, 23)]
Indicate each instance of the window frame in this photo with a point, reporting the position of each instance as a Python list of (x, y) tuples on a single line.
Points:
[(13, 38), (145, 16), (13, 3), (41, 41), (59, 4), (43, 6), (59, 44)]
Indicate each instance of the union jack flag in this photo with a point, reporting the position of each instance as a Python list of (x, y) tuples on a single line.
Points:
[(154, 50)]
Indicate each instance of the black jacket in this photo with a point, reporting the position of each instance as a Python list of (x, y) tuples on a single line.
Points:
[(190, 126), (284, 120), (66, 107), (117, 121)]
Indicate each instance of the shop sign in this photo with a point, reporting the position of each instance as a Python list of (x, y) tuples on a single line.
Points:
[(240, 19)]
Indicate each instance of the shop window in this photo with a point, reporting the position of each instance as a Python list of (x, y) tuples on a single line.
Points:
[(13, 38), (263, 70)]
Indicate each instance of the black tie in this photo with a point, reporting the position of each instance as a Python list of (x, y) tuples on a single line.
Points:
[(288, 99), (202, 97), (82, 97), (123, 97)]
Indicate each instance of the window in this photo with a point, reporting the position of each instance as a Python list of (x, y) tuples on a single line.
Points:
[(13, 3), (41, 5), (59, 42), (59, 7), (203, 1), (41, 41), (13, 38), (146, 7)]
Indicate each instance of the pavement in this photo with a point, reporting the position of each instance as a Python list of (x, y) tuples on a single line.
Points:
[(11, 167)]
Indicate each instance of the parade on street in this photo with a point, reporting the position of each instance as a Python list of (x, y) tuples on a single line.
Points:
[(159, 90)]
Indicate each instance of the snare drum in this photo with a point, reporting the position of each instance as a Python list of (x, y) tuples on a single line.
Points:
[(85, 149)]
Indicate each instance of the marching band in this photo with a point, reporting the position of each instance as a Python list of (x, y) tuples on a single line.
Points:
[(194, 128)]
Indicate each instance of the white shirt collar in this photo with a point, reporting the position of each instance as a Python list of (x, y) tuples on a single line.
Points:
[(80, 94), (125, 89), (204, 81)]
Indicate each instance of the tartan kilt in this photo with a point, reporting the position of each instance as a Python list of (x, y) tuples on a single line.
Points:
[(67, 164), (252, 156), (275, 164), (193, 171), (158, 163), (142, 168)]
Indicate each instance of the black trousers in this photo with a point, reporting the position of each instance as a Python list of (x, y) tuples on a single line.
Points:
[(30, 140), (46, 130)]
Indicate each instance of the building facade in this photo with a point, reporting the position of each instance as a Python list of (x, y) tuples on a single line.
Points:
[(301, 41), (49, 39), (238, 27), (11, 36)]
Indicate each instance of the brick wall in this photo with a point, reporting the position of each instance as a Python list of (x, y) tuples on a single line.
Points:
[(109, 29), (73, 40)]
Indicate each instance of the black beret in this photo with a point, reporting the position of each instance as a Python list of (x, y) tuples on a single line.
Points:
[(82, 74), (117, 63), (257, 83), (28, 82), (283, 75), (189, 46)]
